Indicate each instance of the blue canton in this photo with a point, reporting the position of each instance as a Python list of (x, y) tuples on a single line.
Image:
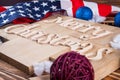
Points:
[(34, 9)]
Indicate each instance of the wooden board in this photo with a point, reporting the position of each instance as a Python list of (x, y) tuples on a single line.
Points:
[(24, 53), (7, 68), (102, 68), (105, 66), (44, 77)]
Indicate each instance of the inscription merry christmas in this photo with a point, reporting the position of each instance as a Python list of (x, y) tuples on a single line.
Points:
[(65, 40)]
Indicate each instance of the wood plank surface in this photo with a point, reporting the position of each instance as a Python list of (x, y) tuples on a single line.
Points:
[(11, 69), (102, 68), (23, 53), (110, 2)]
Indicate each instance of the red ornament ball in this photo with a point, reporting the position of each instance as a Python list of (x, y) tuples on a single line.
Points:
[(71, 66)]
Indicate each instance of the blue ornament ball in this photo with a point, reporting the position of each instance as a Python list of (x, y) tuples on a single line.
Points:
[(84, 13), (117, 20)]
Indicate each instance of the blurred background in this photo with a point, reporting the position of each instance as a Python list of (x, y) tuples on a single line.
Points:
[(10, 2)]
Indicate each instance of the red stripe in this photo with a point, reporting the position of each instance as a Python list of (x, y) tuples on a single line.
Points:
[(75, 5), (2, 9), (27, 20), (104, 10), (22, 20)]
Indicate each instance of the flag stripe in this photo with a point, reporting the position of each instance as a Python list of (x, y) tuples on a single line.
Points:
[(97, 9), (67, 7), (93, 6), (114, 8), (104, 10), (7, 7), (76, 4), (2, 9)]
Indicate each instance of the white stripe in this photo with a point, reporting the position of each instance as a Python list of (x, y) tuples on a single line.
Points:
[(115, 8), (67, 5), (7, 7), (93, 6)]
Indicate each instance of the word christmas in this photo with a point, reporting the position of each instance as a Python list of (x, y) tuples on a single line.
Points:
[(57, 40)]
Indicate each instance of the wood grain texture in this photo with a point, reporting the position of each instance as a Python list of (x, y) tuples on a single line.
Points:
[(102, 68), (23, 53), (7, 67), (11, 2), (110, 2)]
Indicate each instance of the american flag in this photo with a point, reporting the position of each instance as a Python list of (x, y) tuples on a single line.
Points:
[(97, 8), (39, 8), (20, 20), (34, 9)]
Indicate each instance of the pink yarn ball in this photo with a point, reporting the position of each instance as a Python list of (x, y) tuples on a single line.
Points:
[(71, 66)]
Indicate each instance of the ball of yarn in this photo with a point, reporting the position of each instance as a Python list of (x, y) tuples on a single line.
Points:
[(84, 13), (117, 19), (71, 66)]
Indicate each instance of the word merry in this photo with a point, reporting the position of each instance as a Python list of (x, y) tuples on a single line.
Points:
[(80, 27)]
